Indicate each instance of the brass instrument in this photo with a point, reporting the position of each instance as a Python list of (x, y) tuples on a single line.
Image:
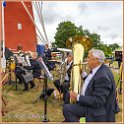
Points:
[(63, 72), (85, 41), (78, 53), (63, 63), (78, 44)]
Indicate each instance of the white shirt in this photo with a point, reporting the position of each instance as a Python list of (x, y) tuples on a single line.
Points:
[(67, 67), (87, 81)]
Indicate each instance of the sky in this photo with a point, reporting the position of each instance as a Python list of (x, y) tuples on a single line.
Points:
[(102, 17)]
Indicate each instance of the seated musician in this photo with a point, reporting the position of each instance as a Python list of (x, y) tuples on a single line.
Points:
[(36, 70), (19, 59), (97, 99), (34, 66), (20, 50), (64, 87)]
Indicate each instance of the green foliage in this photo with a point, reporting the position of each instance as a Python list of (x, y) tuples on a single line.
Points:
[(114, 46), (95, 38), (68, 29), (64, 31), (107, 50), (80, 30)]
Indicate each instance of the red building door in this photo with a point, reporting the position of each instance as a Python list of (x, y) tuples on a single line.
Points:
[(19, 29)]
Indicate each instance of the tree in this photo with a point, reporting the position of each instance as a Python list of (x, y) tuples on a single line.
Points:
[(68, 29), (95, 38), (107, 50), (64, 31), (114, 46), (80, 30)]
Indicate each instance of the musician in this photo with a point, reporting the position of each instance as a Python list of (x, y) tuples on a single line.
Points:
[(64, 87), (97, 100), (47, 52), (35, 67), (119, 61), (19, 59), (47, 57), (20, 50)]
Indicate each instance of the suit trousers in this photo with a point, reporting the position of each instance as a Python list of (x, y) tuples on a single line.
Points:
[(63, 88), (73, 112)]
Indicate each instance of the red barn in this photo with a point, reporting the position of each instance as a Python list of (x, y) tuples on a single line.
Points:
[(19, 29)]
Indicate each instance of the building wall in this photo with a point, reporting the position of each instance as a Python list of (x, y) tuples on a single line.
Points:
[(15, 13)]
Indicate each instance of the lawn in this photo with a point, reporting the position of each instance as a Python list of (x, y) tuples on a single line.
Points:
[(20, 107)]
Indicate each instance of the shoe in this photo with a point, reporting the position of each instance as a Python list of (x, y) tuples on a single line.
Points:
[(42, 95), (32, 86), (49, 92)]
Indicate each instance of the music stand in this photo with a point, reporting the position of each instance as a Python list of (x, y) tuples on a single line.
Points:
[(10, 80), (45, 119), (47, 75)]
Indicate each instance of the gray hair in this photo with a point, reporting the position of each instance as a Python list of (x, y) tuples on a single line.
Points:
[(99, 54), (70, 54)]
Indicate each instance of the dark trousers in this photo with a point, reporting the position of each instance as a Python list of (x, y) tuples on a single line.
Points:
[(18, 72), (62, 88), (73, 112), (119, 64), (26, 85), (58, 85), (19, 77)]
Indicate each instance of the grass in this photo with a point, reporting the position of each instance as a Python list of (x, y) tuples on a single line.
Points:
[(20, 107)]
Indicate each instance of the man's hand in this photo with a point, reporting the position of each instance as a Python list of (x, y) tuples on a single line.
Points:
[(81, 71), (73, 96)]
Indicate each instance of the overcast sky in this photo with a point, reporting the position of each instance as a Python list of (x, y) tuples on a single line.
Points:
[(104, 18)]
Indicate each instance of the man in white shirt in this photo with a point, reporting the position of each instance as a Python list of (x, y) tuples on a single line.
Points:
[(97, 99), (64, 87)]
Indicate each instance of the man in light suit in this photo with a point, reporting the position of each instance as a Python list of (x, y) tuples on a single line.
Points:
[(97, 99)]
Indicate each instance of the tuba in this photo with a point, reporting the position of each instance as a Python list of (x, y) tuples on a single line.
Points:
[(78, 44)]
